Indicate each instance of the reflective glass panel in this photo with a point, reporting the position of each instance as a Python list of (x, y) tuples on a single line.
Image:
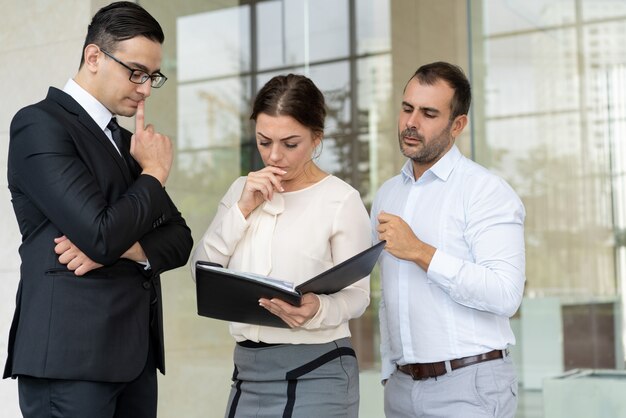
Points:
[(372, 26), (600, 9), (502, 16), (376, 117), (549, 114), (297, 32), (213, 43), (534, 72), (210, 113)]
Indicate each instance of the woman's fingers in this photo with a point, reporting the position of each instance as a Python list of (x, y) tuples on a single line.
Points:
[(294, 316)]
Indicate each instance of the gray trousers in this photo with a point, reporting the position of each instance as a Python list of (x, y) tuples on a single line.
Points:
[(306, 380), (487, 389)]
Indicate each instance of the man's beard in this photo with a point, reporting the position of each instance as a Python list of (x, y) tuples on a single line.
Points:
[(429, 151)]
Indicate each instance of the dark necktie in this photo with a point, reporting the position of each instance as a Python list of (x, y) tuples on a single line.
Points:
[(116, 134)]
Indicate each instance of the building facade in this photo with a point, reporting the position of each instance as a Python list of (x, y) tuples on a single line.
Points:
[(549, 115)]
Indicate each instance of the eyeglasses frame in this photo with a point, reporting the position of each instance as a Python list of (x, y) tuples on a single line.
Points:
[(145, 76)]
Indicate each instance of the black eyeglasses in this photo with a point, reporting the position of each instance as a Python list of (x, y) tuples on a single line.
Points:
[(138, 76)]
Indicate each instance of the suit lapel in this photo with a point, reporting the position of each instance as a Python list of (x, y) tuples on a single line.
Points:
[(72, 106)]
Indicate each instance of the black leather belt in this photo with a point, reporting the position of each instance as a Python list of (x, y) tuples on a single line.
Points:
[(254, 344), (421, 371)]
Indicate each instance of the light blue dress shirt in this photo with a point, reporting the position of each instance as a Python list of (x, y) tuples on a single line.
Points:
[(462, 304)]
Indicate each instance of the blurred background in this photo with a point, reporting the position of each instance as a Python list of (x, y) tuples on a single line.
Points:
[(548, 115)]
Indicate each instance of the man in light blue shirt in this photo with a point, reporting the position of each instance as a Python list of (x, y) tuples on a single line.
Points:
[(453, 269)]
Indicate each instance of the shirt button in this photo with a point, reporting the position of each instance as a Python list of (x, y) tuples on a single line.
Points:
[(146, 285)]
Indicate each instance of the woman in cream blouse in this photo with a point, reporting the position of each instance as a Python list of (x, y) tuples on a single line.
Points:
[(292, 220)]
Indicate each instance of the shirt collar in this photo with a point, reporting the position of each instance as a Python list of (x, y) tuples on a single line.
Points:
[(100, 114), (441, 168)]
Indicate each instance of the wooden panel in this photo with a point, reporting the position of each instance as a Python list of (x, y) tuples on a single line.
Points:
[(589, 336)]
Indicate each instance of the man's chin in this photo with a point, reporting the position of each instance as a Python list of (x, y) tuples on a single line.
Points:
[(409, 151), (127, 111)]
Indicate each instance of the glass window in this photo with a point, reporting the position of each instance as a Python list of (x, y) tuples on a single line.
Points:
[(372, 26), (546, 134), (550, 106), (518, 68), (222, 163), (376, 120), (600, 9), (502, 16), (334, 81), (603, 46), (210, 113), (297, 32), (214, 43)]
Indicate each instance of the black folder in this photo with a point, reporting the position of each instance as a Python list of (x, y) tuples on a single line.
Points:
[(234, 296)]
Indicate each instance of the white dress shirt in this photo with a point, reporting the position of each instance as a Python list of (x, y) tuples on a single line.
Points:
[(100, 114), (462, 304)]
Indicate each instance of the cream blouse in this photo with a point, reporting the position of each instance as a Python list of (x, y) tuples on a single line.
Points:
[(294, 237)]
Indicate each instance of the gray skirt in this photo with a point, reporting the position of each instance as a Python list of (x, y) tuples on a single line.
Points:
[(288, 380)]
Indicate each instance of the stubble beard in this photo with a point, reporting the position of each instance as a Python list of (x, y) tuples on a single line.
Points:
[(426, 152)]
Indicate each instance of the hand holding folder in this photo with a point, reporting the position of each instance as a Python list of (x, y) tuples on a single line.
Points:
[(234, 296)]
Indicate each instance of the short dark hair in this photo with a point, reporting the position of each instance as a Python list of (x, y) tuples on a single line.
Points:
[(454, 76), (292, 95), (118, 22)]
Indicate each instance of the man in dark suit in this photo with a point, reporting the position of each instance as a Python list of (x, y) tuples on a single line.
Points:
[(97, 230)]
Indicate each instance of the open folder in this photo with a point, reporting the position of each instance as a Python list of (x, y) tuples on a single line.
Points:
[(234, 296)]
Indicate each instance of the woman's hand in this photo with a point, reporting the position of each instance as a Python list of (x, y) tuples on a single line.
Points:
[(74, 259), (294, 316), (260, 186)]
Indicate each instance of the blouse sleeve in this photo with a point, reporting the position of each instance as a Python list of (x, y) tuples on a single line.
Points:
[(351, 235)]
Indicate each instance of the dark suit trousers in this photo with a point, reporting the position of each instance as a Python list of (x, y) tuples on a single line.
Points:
[(57, 398)]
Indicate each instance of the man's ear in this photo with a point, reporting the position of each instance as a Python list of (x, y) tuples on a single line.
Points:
[(92, 55), (459, 123)]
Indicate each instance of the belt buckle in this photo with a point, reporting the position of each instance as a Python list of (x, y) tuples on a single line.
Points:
[(415, 372), (420, 373)]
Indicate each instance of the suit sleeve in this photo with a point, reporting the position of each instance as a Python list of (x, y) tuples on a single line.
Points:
[(169, 245), (46, 167)]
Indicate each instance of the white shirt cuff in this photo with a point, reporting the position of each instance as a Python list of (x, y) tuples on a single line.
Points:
[(444, 268)]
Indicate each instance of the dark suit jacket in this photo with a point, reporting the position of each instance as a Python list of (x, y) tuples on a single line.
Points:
[(67, 178)]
